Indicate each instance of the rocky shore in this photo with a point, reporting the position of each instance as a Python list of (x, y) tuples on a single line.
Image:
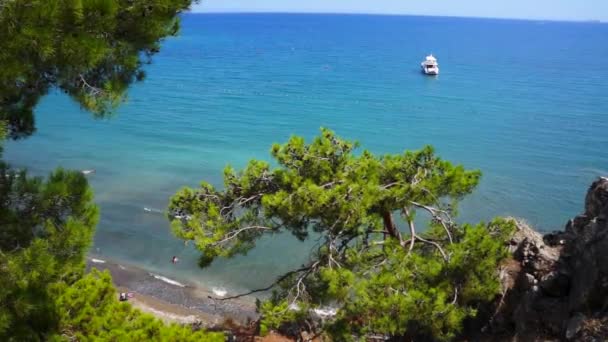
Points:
[(555, 287)]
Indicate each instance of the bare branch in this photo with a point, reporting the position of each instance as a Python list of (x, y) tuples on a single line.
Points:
[(332, 260), (240, 201), (330, 184), (436, 213), (209, 195), (264, 289), (389, 185), (455, 295), (438, 246), (93, 90), (234, 234), (375, 266), (230, 207), (300, 287), (244, 201), (410, 223)]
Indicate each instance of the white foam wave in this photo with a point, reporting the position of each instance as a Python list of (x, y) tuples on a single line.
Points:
[(218, 291), (167, 280), (153, 210), (98, 261)]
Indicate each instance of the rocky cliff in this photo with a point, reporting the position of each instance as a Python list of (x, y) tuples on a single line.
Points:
[(555, 287)]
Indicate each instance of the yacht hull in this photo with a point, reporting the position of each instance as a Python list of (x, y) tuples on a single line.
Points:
[(430, 72)]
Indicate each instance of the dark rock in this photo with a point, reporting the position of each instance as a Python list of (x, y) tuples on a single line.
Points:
[(529, 281), (589, 252), (554, 276), (576, 223), (555, 284), (556, 239), (596, 201), (575, 324)]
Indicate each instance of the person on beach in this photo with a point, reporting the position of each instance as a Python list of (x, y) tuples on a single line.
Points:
[(123, 297), (174, 260)]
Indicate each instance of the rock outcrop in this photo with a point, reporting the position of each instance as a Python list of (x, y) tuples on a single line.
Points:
[(556, 286)]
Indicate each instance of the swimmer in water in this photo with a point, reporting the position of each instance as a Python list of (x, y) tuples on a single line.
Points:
[(174, 260), (88, 172)]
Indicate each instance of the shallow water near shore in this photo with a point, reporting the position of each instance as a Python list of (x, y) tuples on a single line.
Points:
[(170, 295), (514, 99)]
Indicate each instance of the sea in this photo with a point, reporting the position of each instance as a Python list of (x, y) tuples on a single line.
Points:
[(526, 102)]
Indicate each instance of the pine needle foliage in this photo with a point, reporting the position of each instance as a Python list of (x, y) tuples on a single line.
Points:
[(90, 49), (90, 312), (46, 227), (372, 271)]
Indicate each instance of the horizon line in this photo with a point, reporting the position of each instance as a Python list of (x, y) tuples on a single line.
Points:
[(589, 21)]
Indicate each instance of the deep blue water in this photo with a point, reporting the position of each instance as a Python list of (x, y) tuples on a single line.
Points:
[(526, 102)]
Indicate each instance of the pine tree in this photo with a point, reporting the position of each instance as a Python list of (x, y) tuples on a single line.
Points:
[(90, 49), (380, 274), (46, 227)]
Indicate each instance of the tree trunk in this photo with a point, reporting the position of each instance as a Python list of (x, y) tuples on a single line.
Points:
[(390, 227)]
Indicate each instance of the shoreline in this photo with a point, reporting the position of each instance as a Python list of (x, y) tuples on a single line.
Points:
[(173, 300)]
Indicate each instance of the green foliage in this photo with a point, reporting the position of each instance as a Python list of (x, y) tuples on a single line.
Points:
[(275, 314), (46, 227), (33, 207), (90, 49), (419, 293), (90, 312), (377, 277)]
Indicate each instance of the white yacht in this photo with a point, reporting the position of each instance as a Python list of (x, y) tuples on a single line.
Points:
[(430, 66)]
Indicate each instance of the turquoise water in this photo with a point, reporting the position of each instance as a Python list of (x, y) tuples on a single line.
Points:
[(526, 102)]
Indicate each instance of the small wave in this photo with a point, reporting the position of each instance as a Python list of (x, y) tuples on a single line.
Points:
[(98, 261), (167, 280), (152, 210), (218, 291), (87, 172), (595, 172)]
